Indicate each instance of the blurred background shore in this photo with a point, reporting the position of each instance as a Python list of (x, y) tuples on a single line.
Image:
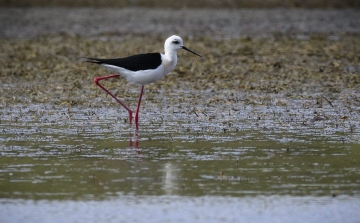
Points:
[(221, 23), (184, 3)]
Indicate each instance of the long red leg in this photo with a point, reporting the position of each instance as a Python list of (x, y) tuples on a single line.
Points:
[(97, 79), (136, 118), (137, 142)]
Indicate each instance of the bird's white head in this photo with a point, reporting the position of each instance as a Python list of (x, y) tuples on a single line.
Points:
[(175, 43)]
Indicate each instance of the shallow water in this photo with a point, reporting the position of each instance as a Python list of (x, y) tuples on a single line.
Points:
[(237, 154), (184, 209)]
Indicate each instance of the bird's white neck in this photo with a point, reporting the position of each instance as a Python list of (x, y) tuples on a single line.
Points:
[(169, 61)]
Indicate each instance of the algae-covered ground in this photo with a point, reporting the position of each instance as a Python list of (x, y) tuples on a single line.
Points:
[(280, 64)]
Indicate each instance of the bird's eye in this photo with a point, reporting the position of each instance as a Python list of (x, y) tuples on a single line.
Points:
[(175, 41)]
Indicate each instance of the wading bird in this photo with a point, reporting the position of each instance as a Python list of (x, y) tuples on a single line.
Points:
[(141, 69)]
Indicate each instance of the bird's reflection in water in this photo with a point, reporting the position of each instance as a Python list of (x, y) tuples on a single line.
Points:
[(171, 170), (171, 178), (134, 138)]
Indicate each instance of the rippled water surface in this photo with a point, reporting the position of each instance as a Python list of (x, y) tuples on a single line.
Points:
[(238, 160), (184, 209)]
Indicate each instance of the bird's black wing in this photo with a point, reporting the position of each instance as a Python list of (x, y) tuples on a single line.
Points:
[(138, 62)]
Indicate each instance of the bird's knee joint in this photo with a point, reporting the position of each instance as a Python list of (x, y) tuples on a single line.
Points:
[(96, 80)]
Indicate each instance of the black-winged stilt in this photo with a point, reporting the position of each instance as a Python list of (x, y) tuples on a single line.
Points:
[(141, 69)]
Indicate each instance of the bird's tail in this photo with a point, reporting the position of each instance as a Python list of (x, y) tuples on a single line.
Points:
[(89, 60)]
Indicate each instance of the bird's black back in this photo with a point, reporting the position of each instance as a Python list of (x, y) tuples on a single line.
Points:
[(134, 63)]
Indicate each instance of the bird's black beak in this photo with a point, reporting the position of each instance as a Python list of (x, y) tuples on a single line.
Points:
[(183, 47)]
